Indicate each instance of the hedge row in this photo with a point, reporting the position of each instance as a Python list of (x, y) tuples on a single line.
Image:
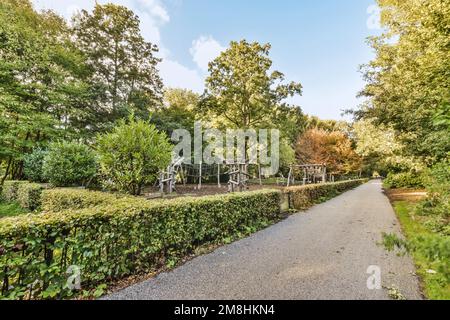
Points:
[(303, 197), (33, 196), (63, 199), (28, 195), (109, 237), (125, 237)]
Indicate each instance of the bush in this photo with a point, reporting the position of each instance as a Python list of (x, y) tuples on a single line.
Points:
[(303, 197), (29, 195), (63, 199), (9, 190), (404, 180), (132, 155), (32, 165), (125, 237), (69, 163)]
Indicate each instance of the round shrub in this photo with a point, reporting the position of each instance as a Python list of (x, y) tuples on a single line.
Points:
[(69, 164), (32, 165), (132, 155)]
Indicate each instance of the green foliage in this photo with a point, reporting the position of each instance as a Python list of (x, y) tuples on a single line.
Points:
[(404, 180), (437, 203), (69, 163), (124, 78), (241, 89), (29, 195), (25, 194), (132, 155), (55, 200), (124, 237), (303, 197), (33, 164), (179, 111), (11, 209), (9, 190), (408, 81), (430, 250)]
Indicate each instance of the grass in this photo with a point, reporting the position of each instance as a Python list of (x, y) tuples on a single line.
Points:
[(10, 209), (435, 287)]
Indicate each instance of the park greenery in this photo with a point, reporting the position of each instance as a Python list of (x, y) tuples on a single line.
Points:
[(404, 126), (82, 105)]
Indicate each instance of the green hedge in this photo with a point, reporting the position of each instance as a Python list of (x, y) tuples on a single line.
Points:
[(404, 180), (110, 236), (303, 197), (9, 190), (63, 199), (27, 195), (125, 237)]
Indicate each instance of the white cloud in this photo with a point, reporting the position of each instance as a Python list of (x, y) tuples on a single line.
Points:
[(176, 75), (204, 50)]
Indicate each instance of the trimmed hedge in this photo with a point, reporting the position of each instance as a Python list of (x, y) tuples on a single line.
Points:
[(9, 190), (63, 199), (125, 237), (27, 195), (303, 197), (109, 236)]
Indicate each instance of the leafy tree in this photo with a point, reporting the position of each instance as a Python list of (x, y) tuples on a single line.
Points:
[(240, 88), (382, 149), (33, 165), (132, 155), (409, 79), (334, 149), (69, 164), (179, 111), (40, 87), (124, 74)]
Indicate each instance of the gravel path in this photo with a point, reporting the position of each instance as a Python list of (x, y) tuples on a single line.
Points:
[(323, 253)]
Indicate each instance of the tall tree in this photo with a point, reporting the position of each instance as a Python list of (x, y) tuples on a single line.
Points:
[(179, 111), (123, 64), (409, 79), (240, 88), (39, 81)]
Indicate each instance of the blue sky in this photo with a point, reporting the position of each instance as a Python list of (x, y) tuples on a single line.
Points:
[(317, 43)]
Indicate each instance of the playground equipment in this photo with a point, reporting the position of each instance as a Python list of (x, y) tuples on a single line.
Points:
[(168, 178), (238, 177), (311, 173)]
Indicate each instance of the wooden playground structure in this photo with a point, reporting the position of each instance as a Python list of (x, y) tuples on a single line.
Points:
[(310, 173), (238, 176)]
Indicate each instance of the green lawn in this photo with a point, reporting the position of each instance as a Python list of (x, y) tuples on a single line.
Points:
[(10, 210), (434, 285)]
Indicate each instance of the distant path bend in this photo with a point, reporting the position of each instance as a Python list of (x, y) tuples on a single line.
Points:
[(323, 253)]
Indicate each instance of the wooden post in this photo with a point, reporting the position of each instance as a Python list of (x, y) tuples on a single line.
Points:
[(259, 172), (289, 176), (199, 187), (218, 175)]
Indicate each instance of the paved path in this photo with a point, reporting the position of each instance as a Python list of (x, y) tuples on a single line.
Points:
[(322, 253)]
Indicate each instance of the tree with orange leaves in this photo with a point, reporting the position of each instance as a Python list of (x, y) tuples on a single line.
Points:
[(334, 149)]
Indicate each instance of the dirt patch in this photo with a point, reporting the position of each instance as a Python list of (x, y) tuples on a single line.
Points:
[(191, 190), (405, 194)]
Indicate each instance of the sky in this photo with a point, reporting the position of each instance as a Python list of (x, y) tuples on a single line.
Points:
[(320, 44)]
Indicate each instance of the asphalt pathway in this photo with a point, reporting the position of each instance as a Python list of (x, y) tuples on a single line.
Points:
[(322, 253)]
